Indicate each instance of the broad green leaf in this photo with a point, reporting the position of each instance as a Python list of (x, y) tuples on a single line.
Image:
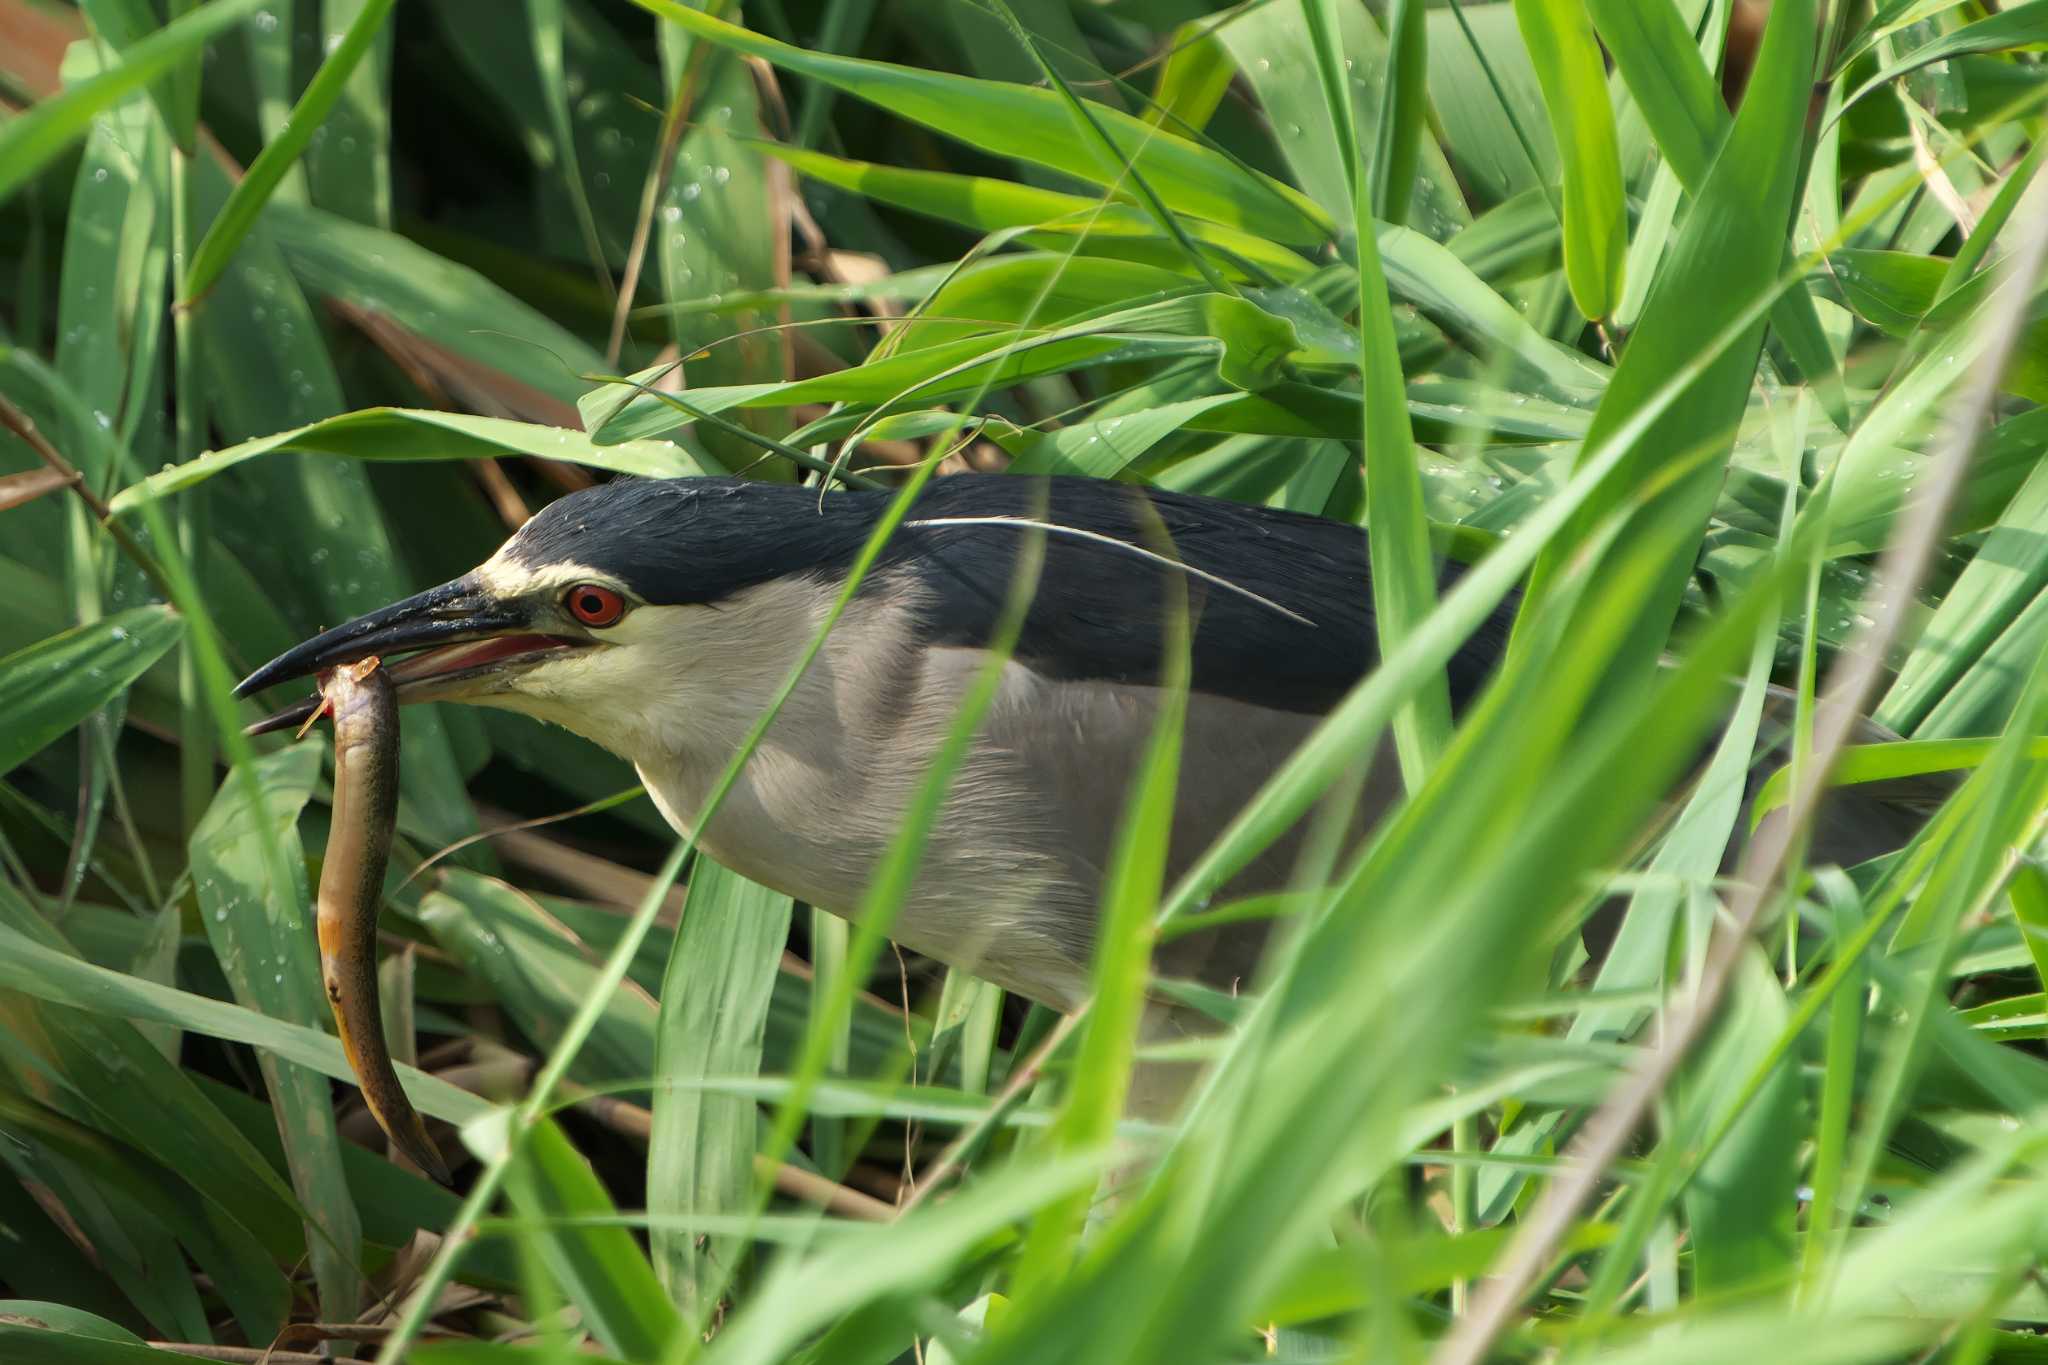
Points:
[(1489, 104), (992, 205), (1670, 84), (1743, 1202), (1033, 125), (30, 140), (1722, 264), (541, 973), (51, 686), (1512, 240), (1192, 79), (719, 228), (123, 23), (499, 355), (1567, 61), (1104, 447), (1403, 121), (116, 259), (2021, 26), (1276, 58), (545, 20), (348, 165), (714, 1016), (601, 1269), (262, 935), (238, 215)]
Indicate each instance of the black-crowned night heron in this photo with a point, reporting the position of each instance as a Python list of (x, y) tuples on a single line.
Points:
[(659, 618)]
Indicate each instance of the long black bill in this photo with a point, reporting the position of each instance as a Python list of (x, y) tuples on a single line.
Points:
[(447, 615)]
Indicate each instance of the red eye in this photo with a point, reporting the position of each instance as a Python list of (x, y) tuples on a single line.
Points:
[(595, 605)]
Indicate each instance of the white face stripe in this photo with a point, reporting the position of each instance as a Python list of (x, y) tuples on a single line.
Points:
[(506, 577)]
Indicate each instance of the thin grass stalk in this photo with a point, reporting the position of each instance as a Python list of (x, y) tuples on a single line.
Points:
[(1851, 683)]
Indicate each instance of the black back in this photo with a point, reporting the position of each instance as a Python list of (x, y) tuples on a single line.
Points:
[(1099, 609)]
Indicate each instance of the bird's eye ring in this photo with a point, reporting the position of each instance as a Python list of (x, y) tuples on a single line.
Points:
[(595, 605)]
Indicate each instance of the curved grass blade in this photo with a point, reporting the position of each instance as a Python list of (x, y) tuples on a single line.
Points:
[(1567, 59), (410, 434), (1403, 576), (1726, 256), (46, 974), (30, 140), (2020, 26), (1192, 79), (260, 931), (53, 685), (238, 215), (1034, 125), (601, 1269), (1403, 113), (714, 1015), (1672, 87), (990, 205)]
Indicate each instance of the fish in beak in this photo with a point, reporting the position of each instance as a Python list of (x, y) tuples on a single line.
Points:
[(459, 640)]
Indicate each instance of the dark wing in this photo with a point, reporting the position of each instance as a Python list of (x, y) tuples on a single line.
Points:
[(1296, 637)]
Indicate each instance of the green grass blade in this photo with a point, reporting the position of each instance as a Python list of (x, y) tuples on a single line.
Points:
[(1101, 1078), (1724, 262), (714, 1012), (2021, 26), (1672, 87), (260, 931), (1567, 59), (238, 215), (1403, 576), (600, 1269), (348, 166), (54, 685), (402, 434), (1034, 125), (30, 140), (1404, 113), (545, 19), (1192, 79)]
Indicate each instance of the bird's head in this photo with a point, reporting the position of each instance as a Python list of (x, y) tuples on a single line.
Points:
[(613, 612)]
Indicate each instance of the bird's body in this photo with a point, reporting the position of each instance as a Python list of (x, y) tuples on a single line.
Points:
[(1009, 881), (727, 582)]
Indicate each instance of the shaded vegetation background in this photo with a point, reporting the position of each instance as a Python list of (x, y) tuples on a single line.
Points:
[(1675, 313)]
